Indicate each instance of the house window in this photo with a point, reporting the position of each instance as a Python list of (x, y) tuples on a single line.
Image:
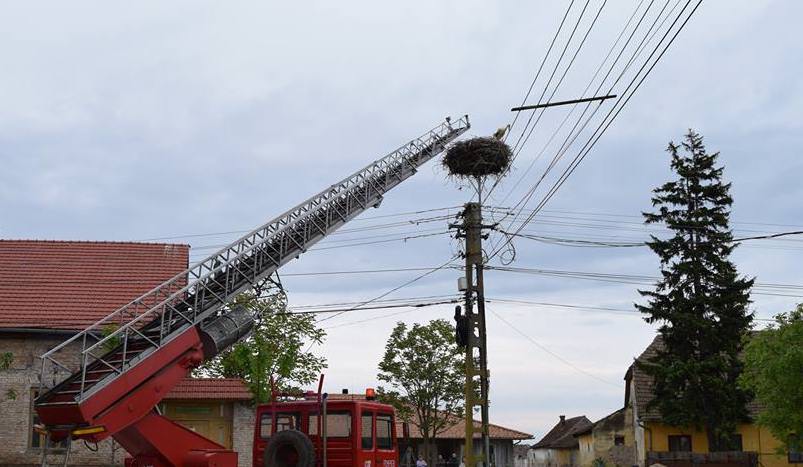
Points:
[(736, 442), (795, 455), (36, 439), (618, 440), (679, 443)]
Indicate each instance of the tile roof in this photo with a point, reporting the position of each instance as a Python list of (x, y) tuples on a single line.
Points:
[(210, 388), (458, 431), (68, 285), (644, 383), (608, 422), (561, 436)]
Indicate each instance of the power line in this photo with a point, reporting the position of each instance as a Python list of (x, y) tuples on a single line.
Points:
[(593, 309), (564, 147), (640, 216), (637, 279), (569, 140), (567, 143), (414, 221), (560, 305), (387, 300), (385, 294), (389, 315), (560, 81), (555, 133), (595, 137), (641, 224), (555, 355), (541, 67), (592, 243), (763, 237), (378, 307), (319, 248), (355, 271), (576, 243), (551, 76), (611, 116)]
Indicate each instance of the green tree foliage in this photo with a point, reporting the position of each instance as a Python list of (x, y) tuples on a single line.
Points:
[(113, 342), (423, 372), (700, 302), (277, 348), (6, 359), (773, 371)]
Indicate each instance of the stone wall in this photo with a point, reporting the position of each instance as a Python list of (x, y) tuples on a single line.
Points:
[(243, 432), (17, 384), (618, 424)]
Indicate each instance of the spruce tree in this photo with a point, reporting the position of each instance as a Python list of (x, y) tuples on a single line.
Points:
[(700, 302)]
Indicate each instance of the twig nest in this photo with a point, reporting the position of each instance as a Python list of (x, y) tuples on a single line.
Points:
[(477, 158)]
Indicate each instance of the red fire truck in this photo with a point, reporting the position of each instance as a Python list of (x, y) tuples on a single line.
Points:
[(100, 384), (316, 431)]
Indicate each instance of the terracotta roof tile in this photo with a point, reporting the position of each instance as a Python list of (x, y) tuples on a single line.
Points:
[(210, 388), (69, 285)]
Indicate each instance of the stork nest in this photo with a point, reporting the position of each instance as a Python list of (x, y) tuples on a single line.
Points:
[(477, 158)]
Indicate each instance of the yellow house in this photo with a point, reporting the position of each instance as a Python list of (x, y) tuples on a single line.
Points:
[(656, 442)]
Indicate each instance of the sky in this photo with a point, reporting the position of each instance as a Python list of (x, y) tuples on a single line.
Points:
[(180, 120)]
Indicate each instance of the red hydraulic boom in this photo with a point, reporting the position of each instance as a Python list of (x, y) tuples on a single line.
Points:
[(101, 384)]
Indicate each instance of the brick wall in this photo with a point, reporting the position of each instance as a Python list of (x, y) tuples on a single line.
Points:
[(16, 384)]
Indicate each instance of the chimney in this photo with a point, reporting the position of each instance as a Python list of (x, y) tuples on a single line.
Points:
[(562, 419), (345, 391)]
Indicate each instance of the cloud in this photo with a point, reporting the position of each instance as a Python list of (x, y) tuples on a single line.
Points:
[(156, 120)]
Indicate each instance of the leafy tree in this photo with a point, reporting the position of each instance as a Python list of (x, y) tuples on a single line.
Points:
[(773, 371), (278, 347), (424, 373), (700, 301), (6, 359)]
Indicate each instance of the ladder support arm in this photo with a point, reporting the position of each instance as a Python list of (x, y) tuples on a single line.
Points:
[(156, 338)]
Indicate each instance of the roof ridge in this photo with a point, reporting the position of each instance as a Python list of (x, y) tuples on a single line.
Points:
[(212, 378), (562, 431), (93, 242)]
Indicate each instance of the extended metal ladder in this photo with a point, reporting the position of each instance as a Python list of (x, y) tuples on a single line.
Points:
[(113, 346), (61, 455)]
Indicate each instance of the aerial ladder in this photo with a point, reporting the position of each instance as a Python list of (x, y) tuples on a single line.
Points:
[(107, 380)]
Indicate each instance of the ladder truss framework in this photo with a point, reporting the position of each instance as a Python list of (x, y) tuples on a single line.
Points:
[(158, 333)]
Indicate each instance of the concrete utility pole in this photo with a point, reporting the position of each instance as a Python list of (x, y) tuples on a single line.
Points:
[(475, 339)]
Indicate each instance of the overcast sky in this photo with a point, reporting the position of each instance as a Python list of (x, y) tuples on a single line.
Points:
[(134, 121)]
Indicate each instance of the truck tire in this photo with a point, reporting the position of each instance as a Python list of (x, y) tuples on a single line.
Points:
[(289, 448)]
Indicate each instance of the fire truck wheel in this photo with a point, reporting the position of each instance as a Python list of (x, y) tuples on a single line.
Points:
[(289, 448)]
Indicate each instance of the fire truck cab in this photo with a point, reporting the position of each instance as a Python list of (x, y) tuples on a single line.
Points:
[(318, 432)]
